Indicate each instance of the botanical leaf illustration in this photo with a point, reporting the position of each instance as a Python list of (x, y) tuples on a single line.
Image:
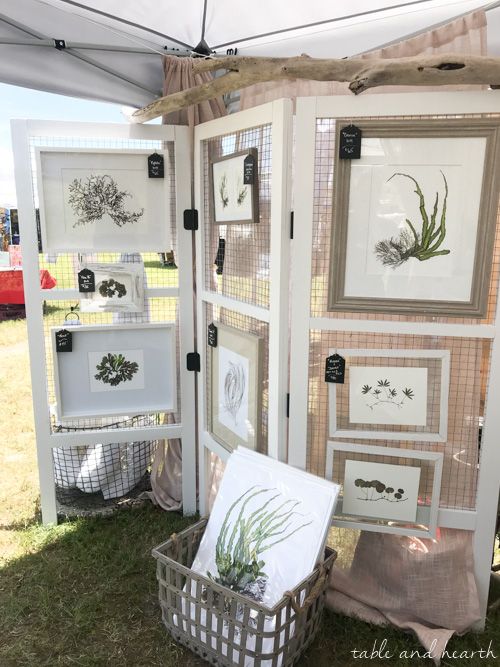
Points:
[(223, 194), (374, 490), (384, 393), (234, 389), (422, 244), (247, 533), (97, 196), (114, 369), (112, 288), (242, 192)]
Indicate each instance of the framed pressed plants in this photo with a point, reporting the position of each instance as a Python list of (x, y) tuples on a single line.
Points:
[(118, 288), (236, 387), (232, 200), (115, 370), (391, 395), (386, 489), (96, 199), (414, 218)]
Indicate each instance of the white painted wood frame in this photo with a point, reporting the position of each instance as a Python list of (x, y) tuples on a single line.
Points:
[(22, 132), (279, 115), (482, 520)]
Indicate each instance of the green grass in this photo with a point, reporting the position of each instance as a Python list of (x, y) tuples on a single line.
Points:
[(84, 593)]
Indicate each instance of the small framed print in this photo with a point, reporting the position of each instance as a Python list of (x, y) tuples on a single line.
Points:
[(386, 489), (391, 395), (118, 288), (234, 188), (414, 218), (97, 199), (236, 380), (116, 370)]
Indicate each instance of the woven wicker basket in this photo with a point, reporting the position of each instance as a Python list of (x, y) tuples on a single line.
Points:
[(226, 628)]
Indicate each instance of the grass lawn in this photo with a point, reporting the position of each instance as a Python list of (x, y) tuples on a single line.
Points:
[(84, 593)]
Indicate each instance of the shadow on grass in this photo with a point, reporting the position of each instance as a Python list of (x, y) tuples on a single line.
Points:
[(87, 595)]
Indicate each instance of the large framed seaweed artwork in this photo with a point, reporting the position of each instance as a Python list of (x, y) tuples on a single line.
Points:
[(414, 218), (101, 199)]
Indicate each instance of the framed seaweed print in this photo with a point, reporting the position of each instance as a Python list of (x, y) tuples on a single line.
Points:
[(234, 188), (126, 369), (391, 395), (119, 288), (386, 489), (414, 218), (236, 387), (97, 199)]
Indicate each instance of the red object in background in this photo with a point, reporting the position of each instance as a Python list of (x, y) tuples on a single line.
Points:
[(12, 287)]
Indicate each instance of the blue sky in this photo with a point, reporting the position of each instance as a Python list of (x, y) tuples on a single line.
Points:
[(24, 103)]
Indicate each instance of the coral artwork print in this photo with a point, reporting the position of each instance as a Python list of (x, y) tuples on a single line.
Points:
[(96, 196), (112, 289), (114, 369), (258, 520), (422, 240)]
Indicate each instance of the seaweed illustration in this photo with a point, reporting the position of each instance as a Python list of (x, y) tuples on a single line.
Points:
[(422, 244), (384, 393), (242, 192), (112, 288), (245, 536), (114, 369), (97, 196), (223, 194), (374, 491), (234, 389)]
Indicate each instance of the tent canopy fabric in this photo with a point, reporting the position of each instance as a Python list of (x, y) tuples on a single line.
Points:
[(112, 49)]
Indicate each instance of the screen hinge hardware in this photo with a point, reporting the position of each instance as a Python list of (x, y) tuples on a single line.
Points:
[(193, 361), (191, 219), (291, 224), (60, 44), (288, 406)]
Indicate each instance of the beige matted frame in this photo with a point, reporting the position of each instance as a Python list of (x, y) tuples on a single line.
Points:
[(451, 128), (254, 188)]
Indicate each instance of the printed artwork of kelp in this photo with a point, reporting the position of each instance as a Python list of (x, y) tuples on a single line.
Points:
[(243, 539), (423, 244)]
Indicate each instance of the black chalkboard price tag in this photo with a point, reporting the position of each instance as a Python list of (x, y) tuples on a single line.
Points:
[(86, 281), (64, 341), (212, 335), (156, 166), (249, 170), (350, 143), (335, 369), (219, 260)]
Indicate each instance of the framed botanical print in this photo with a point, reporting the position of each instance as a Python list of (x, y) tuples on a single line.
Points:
[(113, 370), (391, 395), (414, 218), (118, 288), (236, 387), (94, 199), (234, 188)]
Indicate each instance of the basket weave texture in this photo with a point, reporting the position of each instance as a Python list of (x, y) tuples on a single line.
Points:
[(226, 628)]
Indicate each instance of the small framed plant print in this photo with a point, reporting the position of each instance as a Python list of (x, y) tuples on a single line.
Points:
[(414, 218), (236, 379), (391, 395), (234, 188), (117, 288)]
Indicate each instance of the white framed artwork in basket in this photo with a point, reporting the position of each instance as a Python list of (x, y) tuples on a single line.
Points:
[(118, 288), (386, 489), (109, 370), (101, 199), (391, 395), (236, 387)]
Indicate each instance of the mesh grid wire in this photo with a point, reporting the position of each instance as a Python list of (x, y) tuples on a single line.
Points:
[(470, 357), (246, 264), (114, 470), (247, 325)]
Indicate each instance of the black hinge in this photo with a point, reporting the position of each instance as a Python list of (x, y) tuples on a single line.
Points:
[(288, 405), (193, 361), (191, 219), (291, 224), (60, 44)]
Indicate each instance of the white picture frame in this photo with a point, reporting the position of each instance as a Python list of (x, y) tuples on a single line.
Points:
[(236, 382), (146, 386), (397, 429), (132, 212), (426, 518), (119, 288), (231, 200)]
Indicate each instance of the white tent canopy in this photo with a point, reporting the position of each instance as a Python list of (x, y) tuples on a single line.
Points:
[(112, 48)]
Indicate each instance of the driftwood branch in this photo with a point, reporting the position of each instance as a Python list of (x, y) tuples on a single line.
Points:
[(436, 70)]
